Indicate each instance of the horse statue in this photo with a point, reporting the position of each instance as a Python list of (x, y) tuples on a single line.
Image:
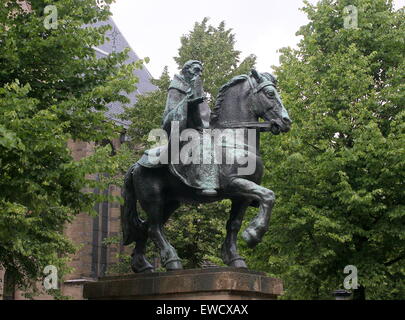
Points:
[(240, 104)]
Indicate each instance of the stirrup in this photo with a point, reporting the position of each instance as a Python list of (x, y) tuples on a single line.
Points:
[(208, 192)]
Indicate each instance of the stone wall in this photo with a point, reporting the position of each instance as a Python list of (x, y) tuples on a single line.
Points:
[(94, 258)]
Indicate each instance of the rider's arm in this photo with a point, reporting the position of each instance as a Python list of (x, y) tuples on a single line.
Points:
[(174, 110)]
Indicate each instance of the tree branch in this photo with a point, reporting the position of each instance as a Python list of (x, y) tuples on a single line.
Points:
[(387, 264)]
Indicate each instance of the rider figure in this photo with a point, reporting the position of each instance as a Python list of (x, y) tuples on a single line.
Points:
[(186, 104)]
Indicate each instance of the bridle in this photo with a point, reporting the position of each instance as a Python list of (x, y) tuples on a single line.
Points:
[(251, 124)]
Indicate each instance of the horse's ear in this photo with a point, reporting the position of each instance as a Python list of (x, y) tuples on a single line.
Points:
[(256, 75)]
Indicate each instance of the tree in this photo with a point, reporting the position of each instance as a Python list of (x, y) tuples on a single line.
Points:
[(146, 115), (52, 89), (196, 232), (339, 174)]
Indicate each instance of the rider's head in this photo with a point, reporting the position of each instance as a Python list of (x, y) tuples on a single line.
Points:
[(192, 68)]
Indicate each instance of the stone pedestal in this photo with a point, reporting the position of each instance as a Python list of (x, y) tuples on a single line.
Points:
[(196, 284)]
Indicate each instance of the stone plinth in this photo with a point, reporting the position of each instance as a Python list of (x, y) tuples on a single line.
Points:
[(196, 284)]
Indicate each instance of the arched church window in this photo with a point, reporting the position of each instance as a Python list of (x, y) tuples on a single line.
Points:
[(9, 286)]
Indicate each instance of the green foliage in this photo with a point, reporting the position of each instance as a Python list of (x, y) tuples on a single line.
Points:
[(339, 174), (197, 232), (146, 115), (52, 89)]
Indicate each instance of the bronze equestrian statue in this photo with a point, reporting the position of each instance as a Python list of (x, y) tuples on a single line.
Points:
[(160, 188)]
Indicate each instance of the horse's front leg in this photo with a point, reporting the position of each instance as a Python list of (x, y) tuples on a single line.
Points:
[(229, 250), (260, 224)]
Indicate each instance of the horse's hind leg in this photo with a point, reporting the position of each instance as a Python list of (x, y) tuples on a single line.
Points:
[(139, 262), (139, 232), (229, 250), (260, 224), (158, 213)]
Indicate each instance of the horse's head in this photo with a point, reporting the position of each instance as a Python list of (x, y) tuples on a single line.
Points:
[(266, 103)]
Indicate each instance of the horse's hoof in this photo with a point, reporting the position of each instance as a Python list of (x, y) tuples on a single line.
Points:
[(238, 263), (251, 237), (141, 265), (142, 269), (174, 265), (148, 270)]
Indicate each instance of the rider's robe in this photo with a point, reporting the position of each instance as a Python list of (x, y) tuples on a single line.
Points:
[(181, 113), (178, 109)]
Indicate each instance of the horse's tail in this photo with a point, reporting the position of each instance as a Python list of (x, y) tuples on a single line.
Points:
[(133, 227)]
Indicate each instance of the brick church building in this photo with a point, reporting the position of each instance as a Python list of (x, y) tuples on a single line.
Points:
[(94, 258)]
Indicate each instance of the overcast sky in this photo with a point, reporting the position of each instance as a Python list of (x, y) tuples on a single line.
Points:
[(153, 28)]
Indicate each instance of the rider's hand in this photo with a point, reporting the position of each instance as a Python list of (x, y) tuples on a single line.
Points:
[(196, 101)]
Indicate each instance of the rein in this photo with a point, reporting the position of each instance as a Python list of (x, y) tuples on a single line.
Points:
[(247, 124)]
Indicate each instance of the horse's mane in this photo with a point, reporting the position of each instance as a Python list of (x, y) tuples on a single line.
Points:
[(221, 94)]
